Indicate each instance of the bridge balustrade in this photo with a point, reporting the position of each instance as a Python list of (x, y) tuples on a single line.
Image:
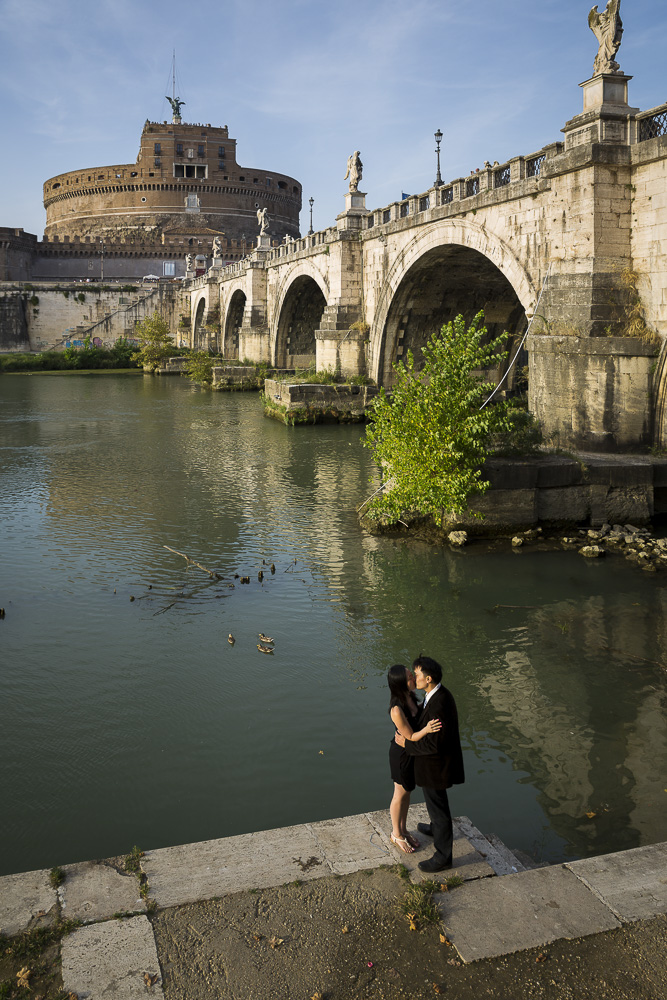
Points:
[(472, 186), (534, 164), (652, 123), (502, 176)]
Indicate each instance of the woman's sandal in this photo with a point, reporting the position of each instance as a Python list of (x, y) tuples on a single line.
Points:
[(399, 842), (414, 843)]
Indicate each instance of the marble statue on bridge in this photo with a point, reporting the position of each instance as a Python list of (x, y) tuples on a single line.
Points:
[(608, 29), (263, 220), (354, 170)]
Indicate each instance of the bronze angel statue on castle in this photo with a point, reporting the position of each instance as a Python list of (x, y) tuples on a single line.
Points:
[(608, 29)]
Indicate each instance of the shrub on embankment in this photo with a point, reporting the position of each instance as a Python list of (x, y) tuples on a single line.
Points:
[(432, 435), (71, 359)]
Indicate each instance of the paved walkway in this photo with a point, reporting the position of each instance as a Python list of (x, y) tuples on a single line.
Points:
[(502, 907)]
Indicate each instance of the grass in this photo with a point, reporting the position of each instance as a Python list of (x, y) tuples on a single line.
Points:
[(417, 903), (34, 942), (30, 963), (133, 861), (56, 877), (418, 906)]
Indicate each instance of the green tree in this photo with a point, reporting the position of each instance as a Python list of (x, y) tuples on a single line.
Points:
[(429, 435), (155, 340), (198, 367)]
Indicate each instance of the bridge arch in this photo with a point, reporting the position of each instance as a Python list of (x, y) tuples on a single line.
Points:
[(301, 300), (232, 321), (199, 333), (449, 267)]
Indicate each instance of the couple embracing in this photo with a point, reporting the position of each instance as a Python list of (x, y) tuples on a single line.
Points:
[(426, 750)]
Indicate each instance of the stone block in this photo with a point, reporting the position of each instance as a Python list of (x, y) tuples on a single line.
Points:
[(94, 890), (349, 844), (190, 872), (26, 899), (502, 509), (510, 474), (633, 471), (632, 883), (563, 505), (557, 471), (502, 915), (111, 960)]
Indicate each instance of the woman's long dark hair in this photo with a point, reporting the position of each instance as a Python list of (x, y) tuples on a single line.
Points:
[(398, 688)]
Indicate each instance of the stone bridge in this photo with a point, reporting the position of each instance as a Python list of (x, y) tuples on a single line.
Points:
[(570, 239)]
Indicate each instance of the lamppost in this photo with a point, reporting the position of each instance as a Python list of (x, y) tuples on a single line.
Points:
[(438, 140), (311, 202)]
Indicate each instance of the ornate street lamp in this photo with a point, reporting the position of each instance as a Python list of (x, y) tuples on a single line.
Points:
[(311, 202), (438, 140)]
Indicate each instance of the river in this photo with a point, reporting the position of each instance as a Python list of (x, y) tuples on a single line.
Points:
[(129, 722)]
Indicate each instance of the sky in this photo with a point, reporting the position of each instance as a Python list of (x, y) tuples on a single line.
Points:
[(303, 83)]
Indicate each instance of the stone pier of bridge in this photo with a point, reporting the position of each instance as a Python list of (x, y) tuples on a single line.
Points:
[(564, 248)]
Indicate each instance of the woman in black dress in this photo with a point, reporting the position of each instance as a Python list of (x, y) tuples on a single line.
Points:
[(404, 710)]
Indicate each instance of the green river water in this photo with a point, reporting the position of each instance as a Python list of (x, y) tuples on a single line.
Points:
[(135, 722)]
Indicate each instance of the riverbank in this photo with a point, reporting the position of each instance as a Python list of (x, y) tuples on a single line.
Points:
[(319, 910)]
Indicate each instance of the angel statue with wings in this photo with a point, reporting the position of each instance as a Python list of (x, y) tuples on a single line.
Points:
[(176, 105), (608, 29), (263, 220)]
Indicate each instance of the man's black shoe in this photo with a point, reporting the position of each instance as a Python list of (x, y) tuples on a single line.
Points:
[(425, 828), (433, 864)]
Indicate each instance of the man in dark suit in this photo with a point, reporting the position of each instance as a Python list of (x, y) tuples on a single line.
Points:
[(438, 761)]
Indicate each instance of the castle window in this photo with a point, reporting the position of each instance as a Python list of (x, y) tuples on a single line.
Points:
[(179, 149), (221, 164), (132, 174), (221, 151), (241, 178), (156, 163), (56, 186), (157, 148), (200, 149), (268, 182), (282, 185), (201, 170)]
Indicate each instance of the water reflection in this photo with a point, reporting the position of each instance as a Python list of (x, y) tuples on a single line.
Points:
[(134, 721)]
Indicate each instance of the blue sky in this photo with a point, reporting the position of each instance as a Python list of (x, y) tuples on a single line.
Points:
[(302, 83)]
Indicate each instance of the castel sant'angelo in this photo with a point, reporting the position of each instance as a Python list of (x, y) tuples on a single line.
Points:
[(185, 189)]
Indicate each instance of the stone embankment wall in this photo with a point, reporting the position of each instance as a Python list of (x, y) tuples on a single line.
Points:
[(58, 315), (13, 322), (557, 491)]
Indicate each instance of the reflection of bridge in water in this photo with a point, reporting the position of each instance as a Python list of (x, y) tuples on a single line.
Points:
[(356, 297)]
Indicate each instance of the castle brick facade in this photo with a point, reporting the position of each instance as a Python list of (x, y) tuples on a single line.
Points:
[(186, 182)]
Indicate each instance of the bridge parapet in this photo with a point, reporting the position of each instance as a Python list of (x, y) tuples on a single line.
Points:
[(651, 124)]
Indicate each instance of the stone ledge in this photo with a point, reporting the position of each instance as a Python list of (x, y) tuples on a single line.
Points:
[(604, 346)]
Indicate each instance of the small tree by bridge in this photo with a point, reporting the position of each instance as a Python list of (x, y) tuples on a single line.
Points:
[(430, 435), (155, 340)]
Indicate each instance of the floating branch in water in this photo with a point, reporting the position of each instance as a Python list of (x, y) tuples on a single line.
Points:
[(211, 573)]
